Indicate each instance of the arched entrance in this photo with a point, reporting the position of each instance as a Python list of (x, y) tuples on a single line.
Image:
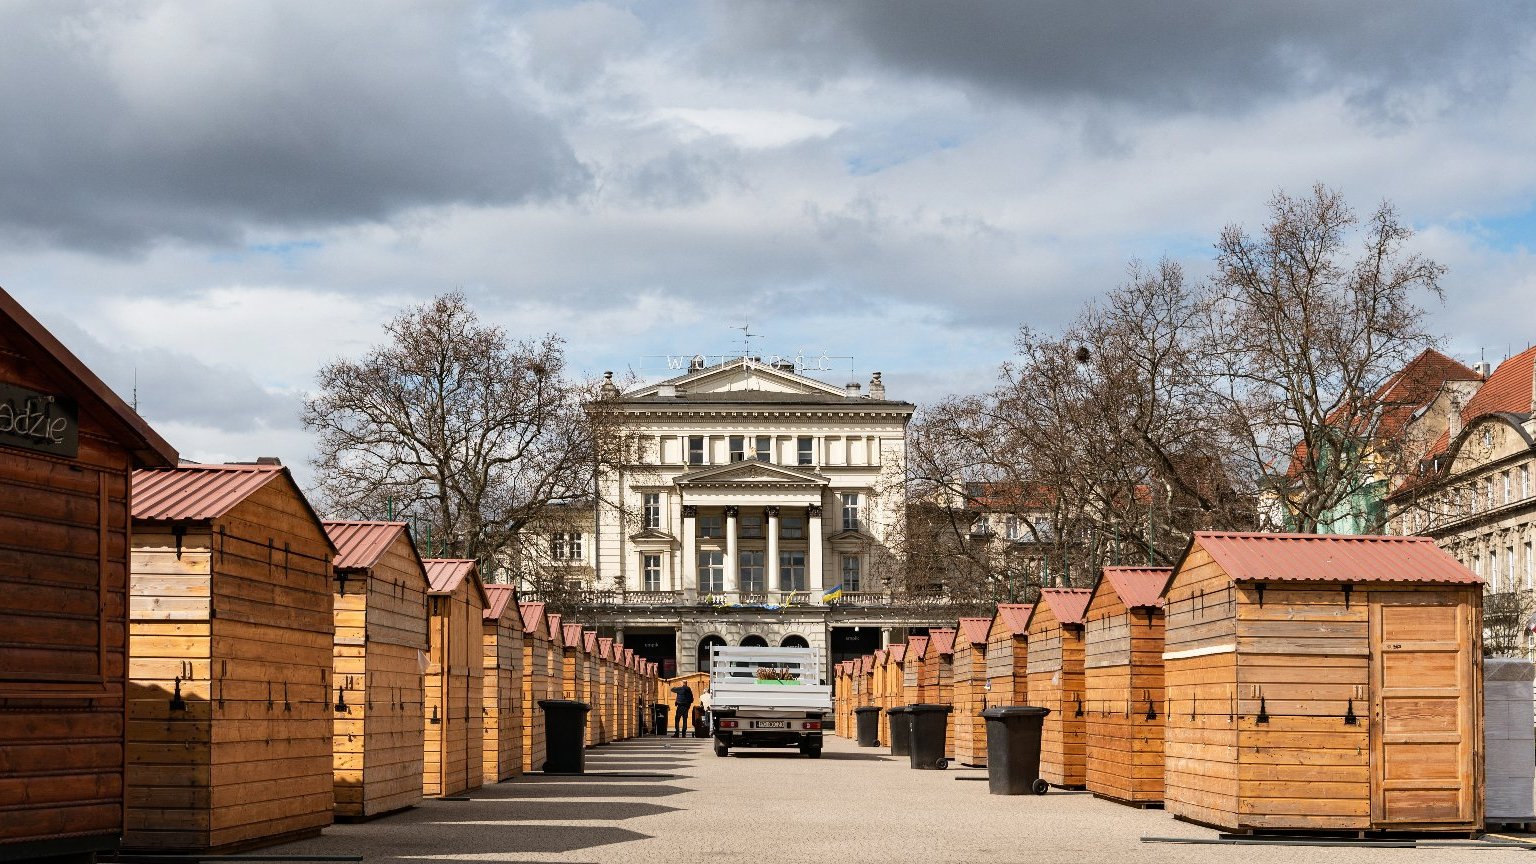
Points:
[(705, 644), (793, 641), (754, 641)]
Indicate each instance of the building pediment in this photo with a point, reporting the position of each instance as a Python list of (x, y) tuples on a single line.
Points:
[(742, 373), (652, 538), (849, 540), (754, 473)]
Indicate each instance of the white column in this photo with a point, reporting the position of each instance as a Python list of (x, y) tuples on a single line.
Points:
[(730, 550), (772, 577), (814, 539), (690, 550)]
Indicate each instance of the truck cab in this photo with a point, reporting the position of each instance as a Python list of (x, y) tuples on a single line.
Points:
[(768, 697)]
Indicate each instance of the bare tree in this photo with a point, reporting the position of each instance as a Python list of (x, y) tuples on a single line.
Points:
[(452, 421), (1303, 332)]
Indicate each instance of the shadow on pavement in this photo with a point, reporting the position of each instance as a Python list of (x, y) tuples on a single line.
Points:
[(571, 787), (494, 840), (578, 811)]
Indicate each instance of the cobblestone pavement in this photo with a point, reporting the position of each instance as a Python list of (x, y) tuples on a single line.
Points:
[(665, 799)]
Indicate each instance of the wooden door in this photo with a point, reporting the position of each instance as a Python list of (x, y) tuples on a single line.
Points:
[(1424, 714)]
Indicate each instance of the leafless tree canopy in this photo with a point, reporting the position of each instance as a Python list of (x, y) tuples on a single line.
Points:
[(451, 421), (1168, 407)]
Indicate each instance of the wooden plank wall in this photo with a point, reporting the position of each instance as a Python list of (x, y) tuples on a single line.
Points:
[(1007, 666), (455, 696), (1055, 664), (1200, 741), (1123, 694), (536, 652), (591, 688), (970, 697), (381, 636), (503, 684)]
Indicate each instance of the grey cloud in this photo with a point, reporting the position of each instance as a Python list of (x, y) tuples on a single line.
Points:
[(137, 122), (174, 387), (1179, 54)]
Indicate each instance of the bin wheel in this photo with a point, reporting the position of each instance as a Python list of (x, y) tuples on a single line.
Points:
[(941, 764), (1040, 787), (722, 750)]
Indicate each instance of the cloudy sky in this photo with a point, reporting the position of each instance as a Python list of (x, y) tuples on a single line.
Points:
[(213, 199)]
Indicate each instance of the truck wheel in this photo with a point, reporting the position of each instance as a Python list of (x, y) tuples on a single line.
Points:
[(721, 749)]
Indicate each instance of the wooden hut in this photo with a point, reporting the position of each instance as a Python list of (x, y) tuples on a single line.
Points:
[(938, 677), (967, 728), (912, 689), (380, 613), (232, 634), (1323, 682), (605, 672), (878, 695), (627, 703), (502, 632), (455, 687), (1007, 658), (537, 652), (842, 697), (592, 684), (64, 478), (1055, 665), (573, 651), (1123, 684)]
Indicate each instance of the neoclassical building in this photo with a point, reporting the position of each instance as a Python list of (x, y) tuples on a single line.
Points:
[(761, 508)]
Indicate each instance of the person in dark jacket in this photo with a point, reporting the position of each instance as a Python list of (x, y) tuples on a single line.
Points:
[(684, 703)]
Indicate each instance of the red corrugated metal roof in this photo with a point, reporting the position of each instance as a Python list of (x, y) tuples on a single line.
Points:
[(196, 493), (359, 545), (605, 647), (572, 637), (942, 640), (533, 618), (589, 639), (629, 657), (143, 441), (974, 630), (867, 664), (880, 655), (1015, 617), (917, 647), (897, 653), (1332, 558), (1138, 587), (499, 603), (556, 630), (445, 575), (1067, 604)]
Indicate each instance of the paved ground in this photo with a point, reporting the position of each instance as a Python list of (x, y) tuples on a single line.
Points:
[(669, 800)]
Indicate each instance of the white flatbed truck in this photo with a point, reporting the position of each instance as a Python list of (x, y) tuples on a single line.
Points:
[(768, 697)]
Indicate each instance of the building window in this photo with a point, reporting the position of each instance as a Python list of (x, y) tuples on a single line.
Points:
[(1505, 479), (853, 573), (565, 546), (754, 642), (1011, 528), (705, 645), (792, 528), (982, 526), (750, 526), (1525, 481), (850, 511), (695, 449), (764, 448), (652, 509), (803, 450), (710, 526), (650, 570), (751, 567), (1493, 568), (1509, 569), (738, 448), (792, 571), (711, 572), (1530, 567)]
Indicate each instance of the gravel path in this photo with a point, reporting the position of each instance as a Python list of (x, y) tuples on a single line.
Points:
[(670, 800)]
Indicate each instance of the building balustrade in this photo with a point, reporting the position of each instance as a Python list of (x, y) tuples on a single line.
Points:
[(765, 599)]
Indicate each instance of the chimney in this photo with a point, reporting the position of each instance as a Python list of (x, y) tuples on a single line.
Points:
[(268, 460), (610, 389), (853, 389), (1453, 427), (1483, 369), (697, 363), (876, 387)]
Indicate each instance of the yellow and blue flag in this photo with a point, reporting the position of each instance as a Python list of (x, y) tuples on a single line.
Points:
[(832, 594)]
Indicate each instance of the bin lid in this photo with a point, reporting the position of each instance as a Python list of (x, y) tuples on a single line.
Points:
[(865, 709), (899, 709), (564, 705), (930, 709), (1002, 711)]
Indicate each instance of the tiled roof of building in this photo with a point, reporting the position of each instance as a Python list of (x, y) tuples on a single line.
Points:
[(974, 630), (1138, 587), (1507, 391), (943, 640), (196, 493), (1067, 604), (1015, 617), (1332, 558), (360, 544)]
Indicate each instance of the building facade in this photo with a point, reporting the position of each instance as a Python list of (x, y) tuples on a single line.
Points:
[(760, 507)]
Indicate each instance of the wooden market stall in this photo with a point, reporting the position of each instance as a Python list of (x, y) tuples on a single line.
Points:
[(502, 632), (842, 697), (1055, 666), (606, 671), (454, 746), (913, 690), (938, 676), (65, 533), (232, 636), (380, 613), (878, 695), (967, 728), (592, 683), (1323, 682), (537, 659), (1123, 684), (628, 711), (573, 650), (1007, 658)]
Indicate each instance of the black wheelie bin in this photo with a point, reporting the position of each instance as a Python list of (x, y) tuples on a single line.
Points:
[(565, 736), (930, 734), (1013, 749), (867, 724), (901, 729)]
